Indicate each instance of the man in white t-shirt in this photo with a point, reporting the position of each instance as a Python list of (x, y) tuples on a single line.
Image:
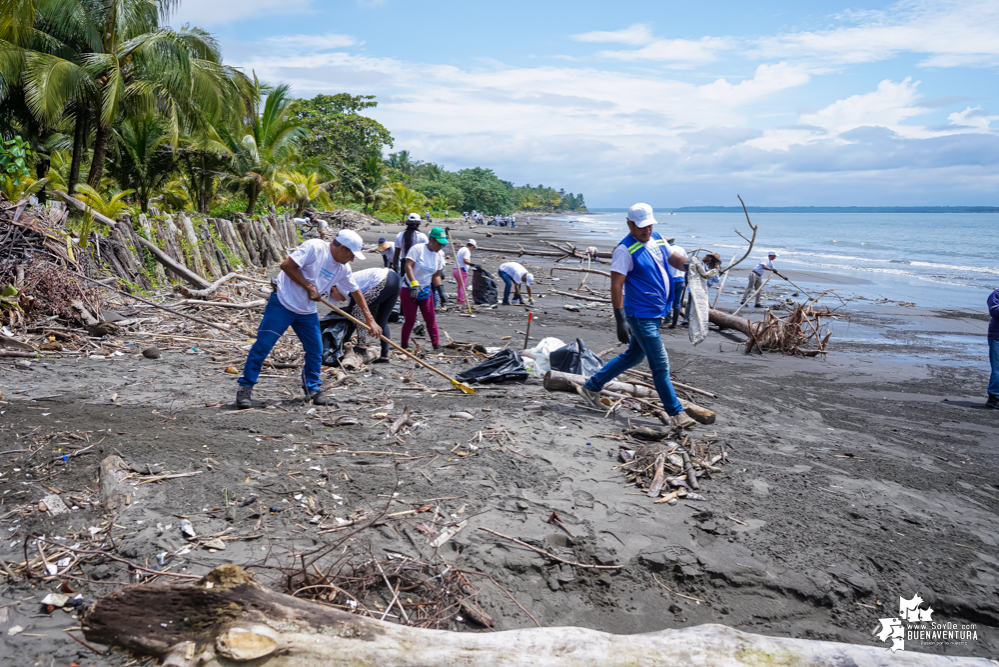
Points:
[(756, 278), (312, 270), (514, 275)]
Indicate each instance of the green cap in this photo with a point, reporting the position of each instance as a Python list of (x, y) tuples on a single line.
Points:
[(438, 234)]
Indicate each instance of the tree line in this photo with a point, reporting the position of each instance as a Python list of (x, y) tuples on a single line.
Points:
[(105, 101)]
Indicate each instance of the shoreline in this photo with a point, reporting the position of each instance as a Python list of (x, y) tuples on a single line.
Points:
[(853, 480)]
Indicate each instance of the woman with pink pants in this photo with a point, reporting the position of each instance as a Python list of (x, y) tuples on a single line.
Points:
[(422, 266), (460, 272)]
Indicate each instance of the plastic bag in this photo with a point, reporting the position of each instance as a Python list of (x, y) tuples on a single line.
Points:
[(504, 366), (484, 291), (540, 364), (334, 331), (575, 358), (698, 304)]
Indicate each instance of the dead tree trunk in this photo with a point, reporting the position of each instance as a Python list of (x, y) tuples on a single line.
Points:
[(226, 618), (558, 381), (726, 321)]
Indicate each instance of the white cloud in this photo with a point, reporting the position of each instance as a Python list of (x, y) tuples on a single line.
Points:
[(950, 32), (888, 106), (973, 118), (635, 35), (768, 79), (702, 50), (311, 43), (219, 12)]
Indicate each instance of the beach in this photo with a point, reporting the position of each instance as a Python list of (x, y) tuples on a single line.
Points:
[(853, 479)]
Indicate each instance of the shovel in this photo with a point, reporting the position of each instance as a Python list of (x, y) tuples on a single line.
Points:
[(460, 385)]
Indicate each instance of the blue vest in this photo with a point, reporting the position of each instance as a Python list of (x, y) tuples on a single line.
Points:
[(646, 294)]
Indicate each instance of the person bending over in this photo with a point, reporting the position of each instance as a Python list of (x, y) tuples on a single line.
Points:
[(514, 275), (380, 288), (640, 294), (309, 272)]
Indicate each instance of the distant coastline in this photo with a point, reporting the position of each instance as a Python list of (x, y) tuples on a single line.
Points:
[(817, 209)]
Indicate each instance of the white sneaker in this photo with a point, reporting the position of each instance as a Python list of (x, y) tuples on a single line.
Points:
[(681, 420), (592, 398)]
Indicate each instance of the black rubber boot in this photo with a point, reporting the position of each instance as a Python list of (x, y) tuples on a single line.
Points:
[(319, 398), (244, 397)]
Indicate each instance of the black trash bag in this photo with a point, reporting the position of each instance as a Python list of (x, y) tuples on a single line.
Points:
[(575, 358), (504, 366), (484, 290), (334, 330)]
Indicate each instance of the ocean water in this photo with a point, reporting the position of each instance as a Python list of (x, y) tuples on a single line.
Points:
[(939, 260)]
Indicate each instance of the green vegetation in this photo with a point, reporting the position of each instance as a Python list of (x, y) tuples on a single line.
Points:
[(104, 100)]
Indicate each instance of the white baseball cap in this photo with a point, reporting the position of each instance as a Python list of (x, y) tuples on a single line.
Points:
[(351, 240), (472, 243), (530, 278), (414, 216), (772, 254), (641, 215)]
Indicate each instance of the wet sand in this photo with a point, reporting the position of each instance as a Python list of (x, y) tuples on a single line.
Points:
[(854, 480)]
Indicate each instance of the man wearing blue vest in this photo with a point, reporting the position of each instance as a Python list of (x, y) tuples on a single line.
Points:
[(642, 294)]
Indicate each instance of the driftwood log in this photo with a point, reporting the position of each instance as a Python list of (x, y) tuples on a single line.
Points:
[(227, 619), (558, 381), (726, 321)]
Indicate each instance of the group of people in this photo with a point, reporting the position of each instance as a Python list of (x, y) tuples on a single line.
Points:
[(645, 274)]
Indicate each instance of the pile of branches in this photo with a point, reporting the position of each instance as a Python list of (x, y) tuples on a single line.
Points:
[(667, 470), (800, 332), (398, 588), (344, 218), (25, 236)]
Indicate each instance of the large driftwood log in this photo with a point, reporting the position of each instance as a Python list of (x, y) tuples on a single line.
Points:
[(227, 619), (114, 493), (558, 381), (726, 321)]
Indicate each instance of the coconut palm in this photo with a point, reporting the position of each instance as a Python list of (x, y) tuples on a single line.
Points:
[(267, 144), (371, 188), (142, 160), (404, 201), (301, 190), (109, 207), (111, 57)]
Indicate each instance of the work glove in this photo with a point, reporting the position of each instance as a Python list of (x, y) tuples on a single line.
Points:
[(623, 329), (530, 299)]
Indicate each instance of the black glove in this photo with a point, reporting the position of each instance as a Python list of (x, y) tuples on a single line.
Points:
[(623, 330)]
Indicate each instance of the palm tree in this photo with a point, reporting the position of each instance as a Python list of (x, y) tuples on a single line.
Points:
[(15, 189), (267, 144), (109, 207), (371, 186), (404, 201), (111, 57), (301, 190), (143, 161)]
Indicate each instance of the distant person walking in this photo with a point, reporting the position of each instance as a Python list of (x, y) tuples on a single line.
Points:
[(406, 240), (756, 278), (513, 275), (460, 272), (993, 302), (423, 265)]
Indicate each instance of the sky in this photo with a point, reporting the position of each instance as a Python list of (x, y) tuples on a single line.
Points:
[(672, 102)]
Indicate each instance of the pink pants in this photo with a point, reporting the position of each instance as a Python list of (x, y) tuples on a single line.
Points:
[(460, 278), (409, 313)]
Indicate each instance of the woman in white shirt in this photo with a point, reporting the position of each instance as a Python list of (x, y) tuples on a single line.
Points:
[(460, 272), (380, 288), (423, 265), (406, 240)]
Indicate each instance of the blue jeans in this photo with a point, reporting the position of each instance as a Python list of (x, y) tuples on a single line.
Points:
[(276, 321), (645, 342), (508, 280), (994, 361)]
